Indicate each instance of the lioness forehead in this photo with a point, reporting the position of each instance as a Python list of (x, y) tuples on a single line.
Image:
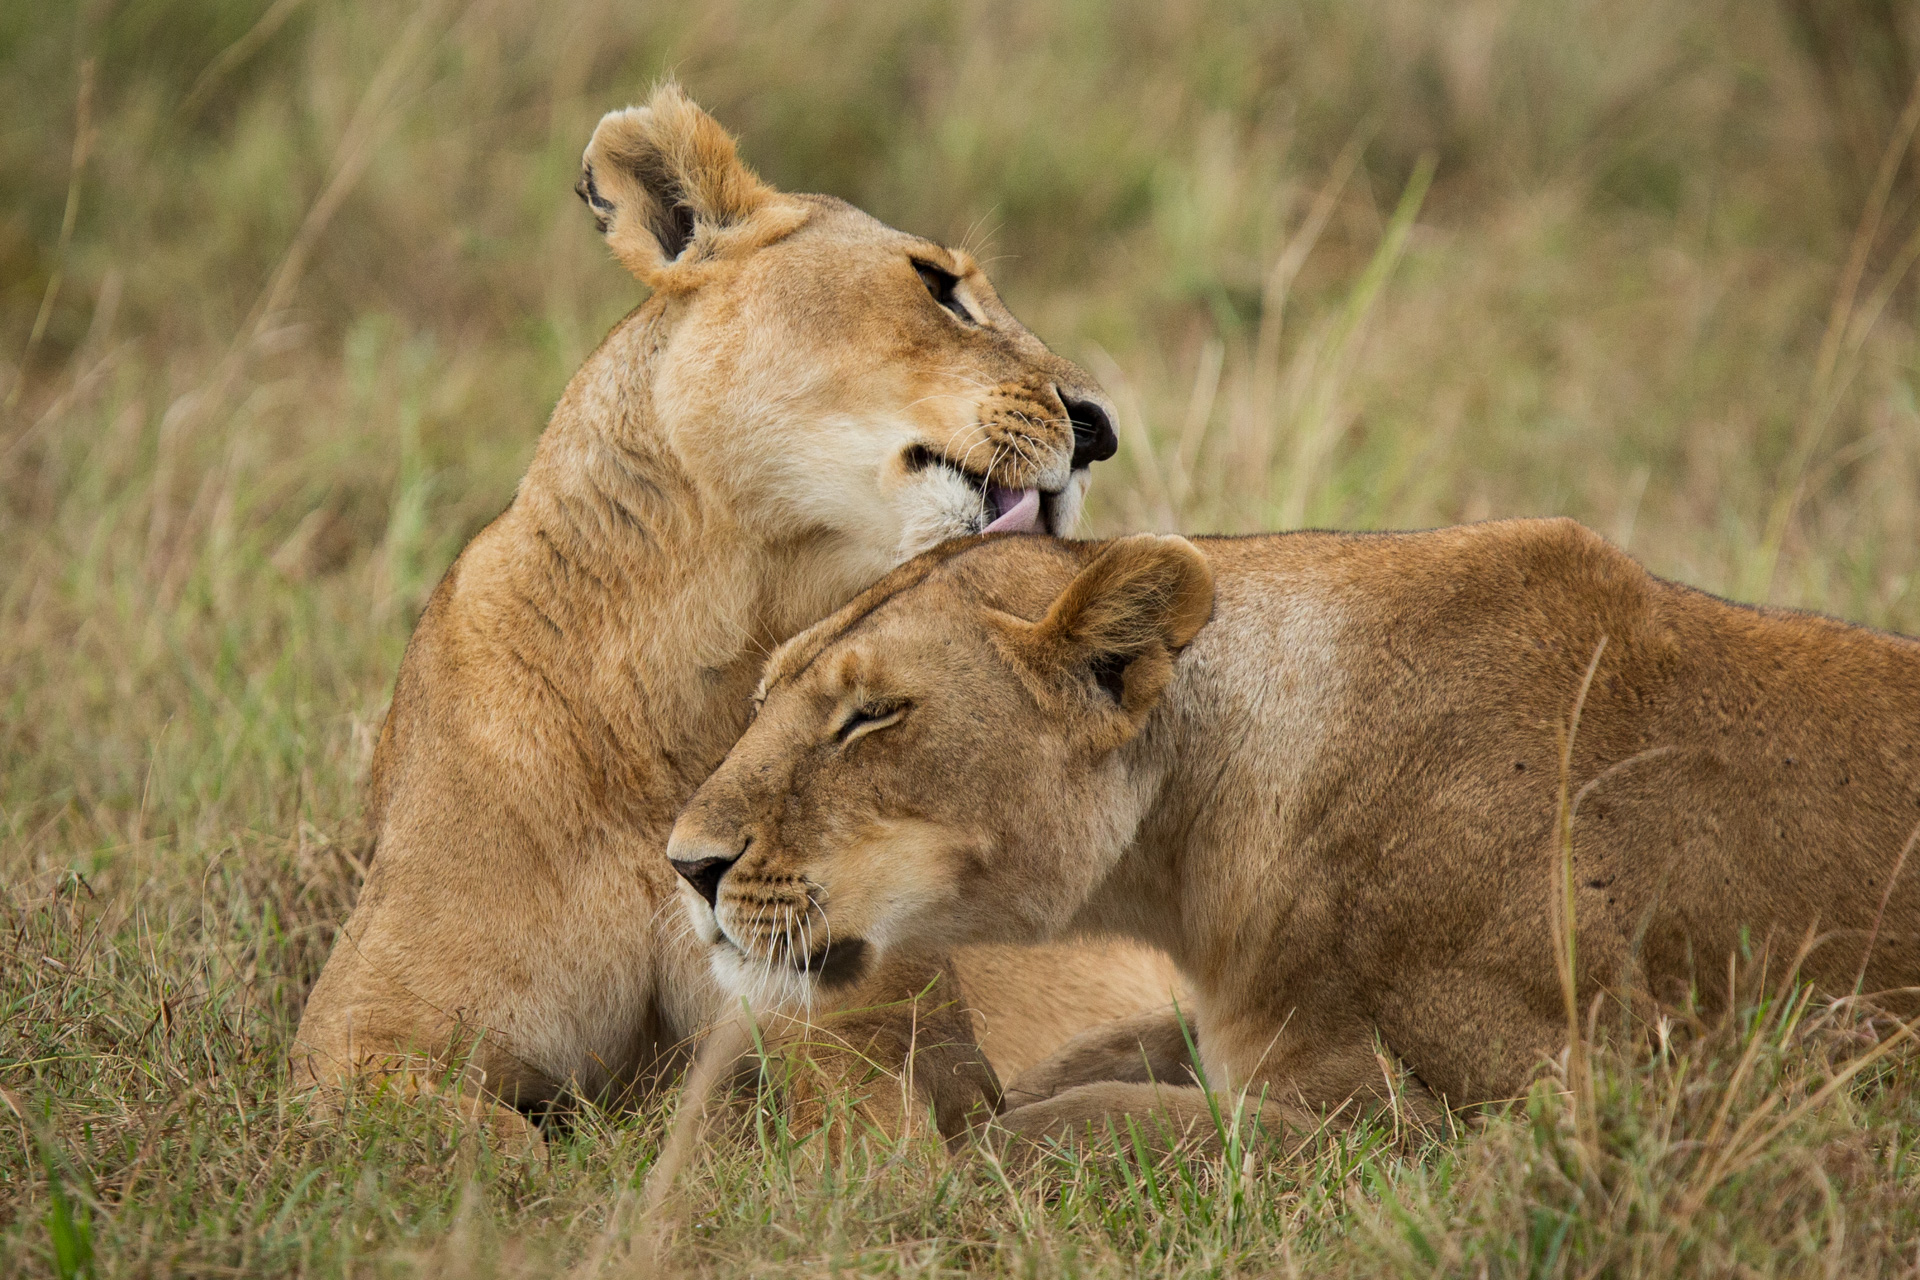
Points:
[(849, 224), (797, 654), (1017, 573)]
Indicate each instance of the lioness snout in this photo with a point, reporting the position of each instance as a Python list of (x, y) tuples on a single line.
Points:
[(701, 864), (1093, 435)]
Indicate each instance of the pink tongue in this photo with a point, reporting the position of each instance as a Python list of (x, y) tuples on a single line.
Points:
[(1019, 510)]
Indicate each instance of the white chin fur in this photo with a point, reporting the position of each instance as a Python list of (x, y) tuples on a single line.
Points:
[(765, 989), (1071, 502), (938, 505)]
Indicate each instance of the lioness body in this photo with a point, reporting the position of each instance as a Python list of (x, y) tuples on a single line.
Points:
[(808, 397), (1336, 807)]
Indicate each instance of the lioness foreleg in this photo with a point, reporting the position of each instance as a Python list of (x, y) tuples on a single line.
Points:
[(1147, 1048), (901, 1048)]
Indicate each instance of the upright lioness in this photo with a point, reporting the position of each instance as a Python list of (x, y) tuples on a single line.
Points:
[(1335, 804), (808, 398)]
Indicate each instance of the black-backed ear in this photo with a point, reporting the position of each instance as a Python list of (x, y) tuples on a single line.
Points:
[(1113, 633), (669, 191)]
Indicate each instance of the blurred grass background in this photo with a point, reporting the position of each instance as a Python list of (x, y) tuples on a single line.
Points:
[(287, 289)]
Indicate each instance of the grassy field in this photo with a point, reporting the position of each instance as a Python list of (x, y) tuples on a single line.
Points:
[(286, 290)]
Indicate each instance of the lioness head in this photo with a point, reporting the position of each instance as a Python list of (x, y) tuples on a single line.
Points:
[(938, 763), (819, 373)]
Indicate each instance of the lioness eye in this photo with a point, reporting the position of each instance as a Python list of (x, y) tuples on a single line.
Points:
[(868, 717), (940, 285)]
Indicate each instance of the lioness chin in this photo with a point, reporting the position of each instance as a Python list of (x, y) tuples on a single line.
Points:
[(807, 398), (1335, 803)]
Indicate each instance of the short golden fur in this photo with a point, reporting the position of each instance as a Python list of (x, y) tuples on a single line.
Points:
[(807, 398), (1334, 803)]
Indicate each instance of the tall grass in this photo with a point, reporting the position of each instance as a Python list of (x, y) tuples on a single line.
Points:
[(287, 288)]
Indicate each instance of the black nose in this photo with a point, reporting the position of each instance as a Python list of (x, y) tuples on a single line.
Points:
[(1093, 438), (704, 875)]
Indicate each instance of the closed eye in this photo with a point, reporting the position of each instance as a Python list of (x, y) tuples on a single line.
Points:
[(867, 717), (940, 287)]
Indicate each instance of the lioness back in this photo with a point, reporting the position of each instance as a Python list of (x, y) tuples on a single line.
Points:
[(1736, 775)]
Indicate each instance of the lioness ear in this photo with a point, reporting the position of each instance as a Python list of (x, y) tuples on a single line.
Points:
[(1116, 627), (669, 192)]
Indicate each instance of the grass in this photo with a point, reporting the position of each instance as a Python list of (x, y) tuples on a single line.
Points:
[(286, 290)]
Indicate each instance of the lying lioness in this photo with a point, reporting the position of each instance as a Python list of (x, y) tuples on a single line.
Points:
[(808, 398), (1334, 803)]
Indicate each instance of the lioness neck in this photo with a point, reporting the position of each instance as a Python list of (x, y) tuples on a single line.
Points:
[(647, 618), (1228, 751)]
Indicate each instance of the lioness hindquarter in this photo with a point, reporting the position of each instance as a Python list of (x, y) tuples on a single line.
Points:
[(1361, 751)]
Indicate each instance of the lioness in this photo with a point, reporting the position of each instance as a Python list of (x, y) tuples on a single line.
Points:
[(807, 398), (1334, 804)]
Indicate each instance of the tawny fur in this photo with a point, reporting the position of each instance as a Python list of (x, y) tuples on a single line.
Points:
[(1335, 803), (764, 436)]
